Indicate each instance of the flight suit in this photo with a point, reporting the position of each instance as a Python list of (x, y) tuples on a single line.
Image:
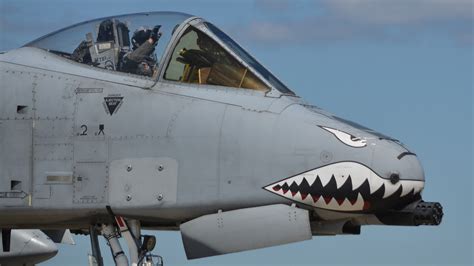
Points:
[(139, 61)]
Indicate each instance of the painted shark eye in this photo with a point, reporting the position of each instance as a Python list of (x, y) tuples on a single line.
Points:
[(346, 138)]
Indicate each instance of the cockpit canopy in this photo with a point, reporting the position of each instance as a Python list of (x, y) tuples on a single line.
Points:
[(104, 42), (137, 44)]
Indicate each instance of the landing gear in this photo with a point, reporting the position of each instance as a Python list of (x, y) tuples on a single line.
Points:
[(96, 257), (112, 237), (139, 246)]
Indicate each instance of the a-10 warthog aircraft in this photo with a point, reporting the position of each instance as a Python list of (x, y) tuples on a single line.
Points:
[(161, 121)]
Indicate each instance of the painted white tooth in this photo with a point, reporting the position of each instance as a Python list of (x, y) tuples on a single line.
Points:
[(325, 179), (308, 200), (297, 197), (419, 187), (375, 183), (297, 179), (333, 205), (357, 181), (407, 187), (340, 180), (310, 178), (323, 203), (320, 203), (325, 171), (359, 205), (390, 189), (346, 205)]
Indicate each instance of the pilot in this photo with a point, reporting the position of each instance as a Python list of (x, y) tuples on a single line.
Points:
[(140, 60)]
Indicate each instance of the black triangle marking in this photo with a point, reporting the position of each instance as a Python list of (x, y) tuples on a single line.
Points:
[(112, 103)]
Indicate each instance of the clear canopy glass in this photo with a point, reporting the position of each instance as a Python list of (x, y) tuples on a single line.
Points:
[(244, 55), (111, 43), (108, 40), (198, 59)]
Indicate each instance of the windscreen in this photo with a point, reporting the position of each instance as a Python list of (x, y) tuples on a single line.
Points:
[(199, 59), (248, 59)]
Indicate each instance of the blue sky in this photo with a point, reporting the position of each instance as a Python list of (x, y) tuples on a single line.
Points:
[(404, 68)]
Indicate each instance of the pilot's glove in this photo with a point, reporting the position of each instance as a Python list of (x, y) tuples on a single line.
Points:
[(155, 33)]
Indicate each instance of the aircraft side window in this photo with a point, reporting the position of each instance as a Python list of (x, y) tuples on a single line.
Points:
[(199, 59)]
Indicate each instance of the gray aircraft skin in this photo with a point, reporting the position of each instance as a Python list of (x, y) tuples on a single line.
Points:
[(28, 247), (197, 147)]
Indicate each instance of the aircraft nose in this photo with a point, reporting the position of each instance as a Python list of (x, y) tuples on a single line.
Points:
[(399, 171), (410, 167), (395, 162)]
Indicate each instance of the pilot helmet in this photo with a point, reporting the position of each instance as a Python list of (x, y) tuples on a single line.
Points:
[(140, 36)]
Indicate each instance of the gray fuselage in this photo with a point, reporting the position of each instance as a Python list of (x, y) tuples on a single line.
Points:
[(75, 139)]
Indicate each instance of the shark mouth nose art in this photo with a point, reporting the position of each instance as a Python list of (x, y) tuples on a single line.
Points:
[(344, 186)]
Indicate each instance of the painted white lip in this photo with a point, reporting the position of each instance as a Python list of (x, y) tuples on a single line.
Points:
[(346, 138), (341, 171)]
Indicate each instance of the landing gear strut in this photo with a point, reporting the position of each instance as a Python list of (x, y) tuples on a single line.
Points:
[(96, 258), (112, 237), (139, 246)]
